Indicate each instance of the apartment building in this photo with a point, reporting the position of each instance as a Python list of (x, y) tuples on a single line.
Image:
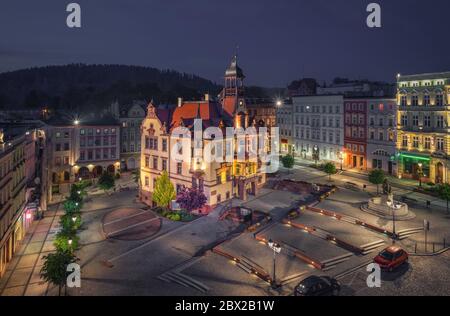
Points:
[(382, 134), (423, 139), (14, 221), (319, 127)]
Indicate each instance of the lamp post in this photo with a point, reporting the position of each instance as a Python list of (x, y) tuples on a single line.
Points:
[(276, 249), (394, 208), (341, 158), (420, 173)]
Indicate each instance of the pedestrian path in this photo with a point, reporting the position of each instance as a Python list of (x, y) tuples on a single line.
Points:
[(22, 277)]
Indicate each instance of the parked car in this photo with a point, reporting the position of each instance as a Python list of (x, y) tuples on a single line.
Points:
[(391, 258), (318, 286)]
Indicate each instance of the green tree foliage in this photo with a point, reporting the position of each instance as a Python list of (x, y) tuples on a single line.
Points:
[(288, 161), (164, 191), (66, 241), (106, 181), (329, 169), (54, 269), (72, 207), (377, 177)]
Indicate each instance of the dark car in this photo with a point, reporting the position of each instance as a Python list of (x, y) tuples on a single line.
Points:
[(318, 286)]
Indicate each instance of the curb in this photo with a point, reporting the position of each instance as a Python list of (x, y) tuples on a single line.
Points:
[(433, 254)]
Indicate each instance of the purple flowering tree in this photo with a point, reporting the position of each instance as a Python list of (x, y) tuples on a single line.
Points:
[(191, 199)]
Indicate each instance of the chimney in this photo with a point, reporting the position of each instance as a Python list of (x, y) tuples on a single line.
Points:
[(206, 96), (180, 102)]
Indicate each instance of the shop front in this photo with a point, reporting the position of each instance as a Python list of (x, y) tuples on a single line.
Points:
[(416, 167)]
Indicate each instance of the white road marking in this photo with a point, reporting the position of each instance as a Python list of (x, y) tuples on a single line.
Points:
[(126, 217), (132, 226)]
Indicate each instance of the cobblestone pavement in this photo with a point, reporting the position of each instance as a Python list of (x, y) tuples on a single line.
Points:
[(423, 276)]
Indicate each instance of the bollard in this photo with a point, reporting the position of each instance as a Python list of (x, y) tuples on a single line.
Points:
[(444, 243), (415, 248), (433, 247)]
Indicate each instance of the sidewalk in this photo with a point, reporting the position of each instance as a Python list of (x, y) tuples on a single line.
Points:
[(22, 276)]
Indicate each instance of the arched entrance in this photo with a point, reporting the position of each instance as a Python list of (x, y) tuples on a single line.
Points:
[(97, 171), (111, 169), (439, 173), (83, 173), (131, 164)]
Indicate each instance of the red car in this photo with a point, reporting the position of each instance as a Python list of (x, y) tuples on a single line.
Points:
[(391, 258)]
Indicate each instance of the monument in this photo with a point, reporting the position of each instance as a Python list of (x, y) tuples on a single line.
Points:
[(385, 206)]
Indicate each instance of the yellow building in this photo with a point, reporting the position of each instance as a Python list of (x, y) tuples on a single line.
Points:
[(13, 221), (423, 127)]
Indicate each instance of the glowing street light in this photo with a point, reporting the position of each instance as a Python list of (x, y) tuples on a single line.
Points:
[(74, 219), (279, 103), (276, 249), (76, 122)]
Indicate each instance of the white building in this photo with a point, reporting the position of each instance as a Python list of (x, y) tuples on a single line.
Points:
[(285, 125), (381, 134), (319, 127)]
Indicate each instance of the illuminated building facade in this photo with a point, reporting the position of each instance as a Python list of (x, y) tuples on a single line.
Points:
[(382, 134), (220, 181), (81, 151), (13, 220), (423, 130), (319, 127), (355, 139)]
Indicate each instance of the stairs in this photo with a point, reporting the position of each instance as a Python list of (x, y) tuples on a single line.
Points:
[(333, 262), (405, 233), (370, 247), (175, 275)]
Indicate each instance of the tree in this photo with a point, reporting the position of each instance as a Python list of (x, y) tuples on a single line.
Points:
[(66, 241), (377, 177), (191, 199), (72, 207), (54, 269), (444, 193), (288, 161), (329, 169), (164, 191), (106, 181)]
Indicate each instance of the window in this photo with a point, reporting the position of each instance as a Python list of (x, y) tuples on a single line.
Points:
[(440, 121), (404, 120), (164, 165), (415, 120), (147, 181), (155, 163), (179, 167), (381, 136), (405, 141), (164, 145), (403, 100), (427, 121), (426, 99), (427, 143), (415, 100), (440, 144), (439, 99), (147, 162), (416, 142), (381, 122), (82, 131), (82, 155), (58, 147)]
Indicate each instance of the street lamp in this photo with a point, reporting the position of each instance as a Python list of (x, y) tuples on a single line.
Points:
[(394, 207), (276, 249), (341, 158), (420, 173), (76, 122), (74, 219)]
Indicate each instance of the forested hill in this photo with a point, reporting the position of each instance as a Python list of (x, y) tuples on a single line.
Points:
[(80, 87)]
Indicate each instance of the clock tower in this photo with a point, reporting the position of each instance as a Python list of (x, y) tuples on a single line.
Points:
[(233, 100)]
